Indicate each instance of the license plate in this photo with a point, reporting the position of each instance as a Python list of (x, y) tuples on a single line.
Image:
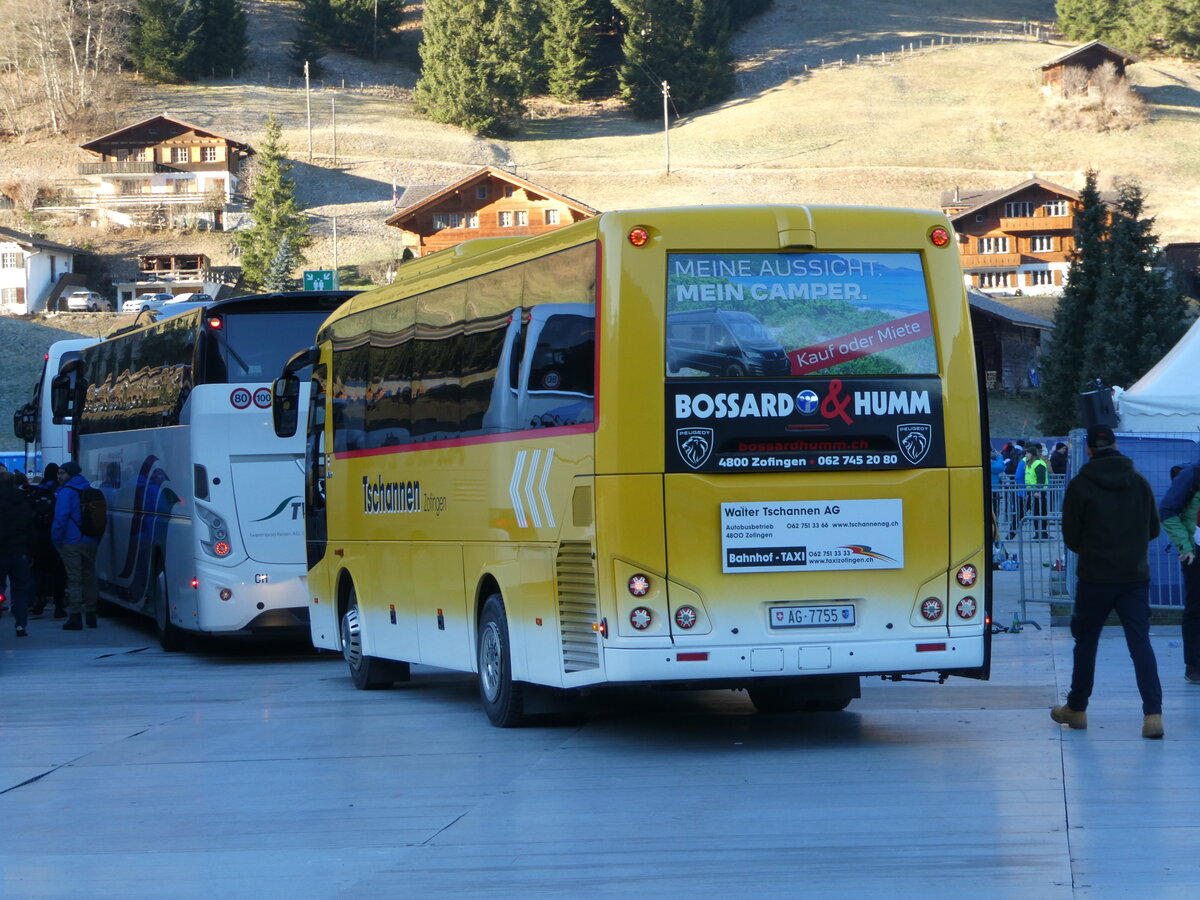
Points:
[(812, 616)]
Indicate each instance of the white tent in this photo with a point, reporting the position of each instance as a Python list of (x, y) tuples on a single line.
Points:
[(1167, 398)]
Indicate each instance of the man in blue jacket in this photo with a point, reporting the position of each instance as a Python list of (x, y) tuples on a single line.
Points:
[(1178, 512), (78, 551)]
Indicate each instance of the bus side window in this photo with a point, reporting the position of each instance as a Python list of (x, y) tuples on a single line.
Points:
[(562, 372)]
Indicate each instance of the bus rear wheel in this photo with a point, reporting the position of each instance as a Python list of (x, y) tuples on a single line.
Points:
[(503, 699), (367, 672), (797, 697), (170, 637)]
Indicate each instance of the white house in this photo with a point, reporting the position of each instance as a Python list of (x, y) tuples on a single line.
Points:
[(32, 271)]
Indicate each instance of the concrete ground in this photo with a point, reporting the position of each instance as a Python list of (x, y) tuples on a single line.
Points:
[(239, 771)]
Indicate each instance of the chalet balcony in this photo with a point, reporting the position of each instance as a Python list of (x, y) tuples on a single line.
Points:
[(1037, 224), (124, 167), (976, 261)]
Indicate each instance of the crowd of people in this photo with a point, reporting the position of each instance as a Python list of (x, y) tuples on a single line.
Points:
[(45, 558)]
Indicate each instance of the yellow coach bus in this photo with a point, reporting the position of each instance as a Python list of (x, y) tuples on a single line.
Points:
[(733, 447)]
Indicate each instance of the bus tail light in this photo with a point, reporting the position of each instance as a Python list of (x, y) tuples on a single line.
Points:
[(686, 617), (966, 608), (931, 609), (639, 236), (221, 548), (226, 594), (601, 628), (939, 236), (640, 618), (195, 582), (966, 575), (639, 585)]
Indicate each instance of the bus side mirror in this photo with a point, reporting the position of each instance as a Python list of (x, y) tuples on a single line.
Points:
[(25, 423), (285, 405), (64, 398)]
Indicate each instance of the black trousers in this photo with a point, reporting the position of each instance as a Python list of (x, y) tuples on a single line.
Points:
[(1093, 603)]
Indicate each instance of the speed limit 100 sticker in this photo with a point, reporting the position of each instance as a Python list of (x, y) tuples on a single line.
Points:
[(262, 398), (240, 398)]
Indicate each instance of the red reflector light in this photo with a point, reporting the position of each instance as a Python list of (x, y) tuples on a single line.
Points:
[(639, 236), (966, 575), (195, 583), (691, 657), (926, 648), (939, 236)]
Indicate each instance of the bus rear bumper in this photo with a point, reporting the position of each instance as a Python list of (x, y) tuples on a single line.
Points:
[(696, 663)]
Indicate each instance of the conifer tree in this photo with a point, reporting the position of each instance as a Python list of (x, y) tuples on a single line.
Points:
[(162, 40), (570, 47), (1062, 364), (221, 44), (277, 218), (1087, 20), (464, 80), (278, 276), (1138, 315)]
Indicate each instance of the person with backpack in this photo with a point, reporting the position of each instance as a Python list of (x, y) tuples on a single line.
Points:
[(1178, 511), (14, 542), (49, 576), (77, 549)]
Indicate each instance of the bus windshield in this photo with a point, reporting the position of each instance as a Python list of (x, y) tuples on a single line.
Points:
[(253, 346)]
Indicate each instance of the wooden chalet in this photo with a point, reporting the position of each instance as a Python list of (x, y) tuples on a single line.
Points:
[(1015, 241), (162, 172), (488, 203), (1088, 57), (1008, 342)]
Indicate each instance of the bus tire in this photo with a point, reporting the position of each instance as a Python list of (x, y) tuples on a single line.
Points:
[(503, 699), (367, 672), (778, 698), (170, 636), (828, 704)]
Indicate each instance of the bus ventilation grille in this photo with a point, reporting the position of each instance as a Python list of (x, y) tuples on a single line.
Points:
[(577, 609)]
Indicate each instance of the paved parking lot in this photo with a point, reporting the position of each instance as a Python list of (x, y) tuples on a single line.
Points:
[(240, 772)]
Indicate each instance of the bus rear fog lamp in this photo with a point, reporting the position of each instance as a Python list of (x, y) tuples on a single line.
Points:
[(639, 585), (966, 575), (966, 608), (685, 617), (640, 618), (639, 236), (931, 609)]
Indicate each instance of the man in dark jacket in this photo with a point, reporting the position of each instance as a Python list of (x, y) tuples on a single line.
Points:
[(15, 523), (49, 577), (1109, 518), (78, 551)]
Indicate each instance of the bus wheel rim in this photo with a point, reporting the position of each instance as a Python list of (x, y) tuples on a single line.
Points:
[(491, 662), (352, 637)]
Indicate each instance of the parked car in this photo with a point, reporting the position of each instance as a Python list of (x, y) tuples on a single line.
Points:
[(87, 301), (146, 301), (195, 299)]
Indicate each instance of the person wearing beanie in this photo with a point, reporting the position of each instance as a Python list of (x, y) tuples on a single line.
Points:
[(78, 551), (1109, 518)]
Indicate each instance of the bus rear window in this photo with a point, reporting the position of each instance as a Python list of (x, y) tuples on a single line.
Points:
[(780, 314)]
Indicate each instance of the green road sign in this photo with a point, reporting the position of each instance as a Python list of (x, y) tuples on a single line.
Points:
[(319, 280)]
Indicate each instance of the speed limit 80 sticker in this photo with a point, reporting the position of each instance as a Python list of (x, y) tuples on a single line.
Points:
[(241, 398)]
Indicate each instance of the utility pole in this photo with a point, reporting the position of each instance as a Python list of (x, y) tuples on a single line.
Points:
[(335, 259), (333, 113), (308, 106), (375, 32), (666, 92)]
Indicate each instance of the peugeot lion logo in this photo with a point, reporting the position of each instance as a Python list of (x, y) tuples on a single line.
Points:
[(694, 445), (913, 439)]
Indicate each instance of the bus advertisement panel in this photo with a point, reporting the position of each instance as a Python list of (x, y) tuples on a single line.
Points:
[(735, 447)]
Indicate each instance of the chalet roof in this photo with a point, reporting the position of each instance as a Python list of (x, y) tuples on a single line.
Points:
[(981, 199), (1109, 50), (30, 241), (93, 145), (424, 202), (985, 304)]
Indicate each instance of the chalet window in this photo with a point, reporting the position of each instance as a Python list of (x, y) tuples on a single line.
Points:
[(978, 217), (141, 154), (1041, 243), (440, 221), (208, 154), (472, 220), (995, 279), (993, 245), (551, 216), (1018, 209), (508, 190), (179, 155), (1041, 277), (10, 296), (504, 219), (481, 192), (181, 185), (122, 155), (1055, 208), (11, 261), (521, 217)]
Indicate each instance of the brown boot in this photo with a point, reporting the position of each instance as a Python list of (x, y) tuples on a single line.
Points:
[(1152, 727), (73, 623), (1074, 718)]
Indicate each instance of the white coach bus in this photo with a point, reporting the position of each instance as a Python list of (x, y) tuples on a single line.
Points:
[(47, 440), (173, 422)]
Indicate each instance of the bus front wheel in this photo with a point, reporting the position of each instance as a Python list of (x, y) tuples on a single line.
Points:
[(503, 699), (170, 637), (367, 672)]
